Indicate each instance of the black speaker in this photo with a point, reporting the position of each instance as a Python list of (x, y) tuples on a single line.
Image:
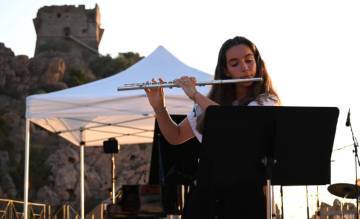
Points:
[(111, 146)]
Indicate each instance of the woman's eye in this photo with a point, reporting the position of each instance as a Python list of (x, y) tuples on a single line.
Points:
[(249, 61), (234, 64)]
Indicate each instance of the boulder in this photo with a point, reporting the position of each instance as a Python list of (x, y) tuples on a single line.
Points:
[(54, 72), (47, 195)]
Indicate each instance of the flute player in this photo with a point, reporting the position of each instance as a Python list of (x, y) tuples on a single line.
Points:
[(238, 58)]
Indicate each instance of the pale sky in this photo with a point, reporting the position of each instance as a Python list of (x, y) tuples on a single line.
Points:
[(311, 48)]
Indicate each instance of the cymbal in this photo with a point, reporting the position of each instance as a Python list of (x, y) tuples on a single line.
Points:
[(344, 190)]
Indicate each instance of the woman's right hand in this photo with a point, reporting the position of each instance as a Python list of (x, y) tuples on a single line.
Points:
[(188, 85), (156, 96)]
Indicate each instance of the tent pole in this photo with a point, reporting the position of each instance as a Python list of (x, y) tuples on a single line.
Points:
[(26, 172), (82, 177)]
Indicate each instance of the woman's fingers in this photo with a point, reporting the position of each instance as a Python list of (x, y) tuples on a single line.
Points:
[(154, 90), (185, 81), (146, 89), (193, 80)]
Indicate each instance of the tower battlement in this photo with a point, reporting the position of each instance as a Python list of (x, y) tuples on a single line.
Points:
[(60, 27)]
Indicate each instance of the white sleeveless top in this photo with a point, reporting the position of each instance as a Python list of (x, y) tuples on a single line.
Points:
[(196, 111)]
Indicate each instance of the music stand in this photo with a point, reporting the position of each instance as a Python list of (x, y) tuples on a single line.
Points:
[(237, 139)]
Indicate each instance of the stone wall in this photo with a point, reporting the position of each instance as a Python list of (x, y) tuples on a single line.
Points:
[(54, 24)]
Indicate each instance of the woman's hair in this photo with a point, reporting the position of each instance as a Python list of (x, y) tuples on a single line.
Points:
[(225, 94)]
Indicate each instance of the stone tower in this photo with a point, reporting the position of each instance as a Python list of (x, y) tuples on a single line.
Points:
[(69, 29)]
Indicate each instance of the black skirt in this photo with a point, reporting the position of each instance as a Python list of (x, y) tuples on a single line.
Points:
[(245, 200)]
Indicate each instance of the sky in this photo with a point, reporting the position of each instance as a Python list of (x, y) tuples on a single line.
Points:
[(311, 49)]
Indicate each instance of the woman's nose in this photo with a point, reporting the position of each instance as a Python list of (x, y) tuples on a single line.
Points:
[(244, 67)]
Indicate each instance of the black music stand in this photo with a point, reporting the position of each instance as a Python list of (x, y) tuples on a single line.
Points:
[(237, 139)]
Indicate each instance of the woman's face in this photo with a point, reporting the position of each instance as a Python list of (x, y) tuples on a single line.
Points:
[(240, 63)]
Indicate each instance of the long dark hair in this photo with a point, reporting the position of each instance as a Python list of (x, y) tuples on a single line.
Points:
[(225, 94)]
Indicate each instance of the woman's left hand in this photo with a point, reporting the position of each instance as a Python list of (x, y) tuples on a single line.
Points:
[(188, 85)]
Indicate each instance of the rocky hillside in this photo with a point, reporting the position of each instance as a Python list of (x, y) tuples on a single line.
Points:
[(54, 163)]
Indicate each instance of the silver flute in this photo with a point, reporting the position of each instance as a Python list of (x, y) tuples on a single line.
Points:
[(137, 86)]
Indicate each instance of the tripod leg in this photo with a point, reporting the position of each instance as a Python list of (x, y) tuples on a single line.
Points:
[(113, 179)]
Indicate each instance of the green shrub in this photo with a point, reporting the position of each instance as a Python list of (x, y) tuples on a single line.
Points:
[(77, 77), (105, 66)]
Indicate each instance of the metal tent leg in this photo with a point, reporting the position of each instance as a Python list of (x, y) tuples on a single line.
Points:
[(26, 171)]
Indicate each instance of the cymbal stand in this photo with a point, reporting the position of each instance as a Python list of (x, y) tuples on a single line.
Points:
[(356, 187), (357, 162)]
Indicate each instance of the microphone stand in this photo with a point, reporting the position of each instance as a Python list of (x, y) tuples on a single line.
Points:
[(307, 203), (357, 162), (317, 201)]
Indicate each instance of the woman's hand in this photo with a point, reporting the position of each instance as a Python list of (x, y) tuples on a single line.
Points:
[(156, 96), (188, 85)]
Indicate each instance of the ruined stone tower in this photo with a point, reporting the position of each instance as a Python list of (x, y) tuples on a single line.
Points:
[(69, 29)]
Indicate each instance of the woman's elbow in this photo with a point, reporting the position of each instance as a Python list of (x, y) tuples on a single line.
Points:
[(177, 139), (178, 136), (174, 141)]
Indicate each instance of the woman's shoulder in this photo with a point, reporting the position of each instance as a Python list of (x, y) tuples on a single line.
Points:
[(265, 100)]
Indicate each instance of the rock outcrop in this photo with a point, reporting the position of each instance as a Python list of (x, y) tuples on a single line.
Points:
[(54, 163)]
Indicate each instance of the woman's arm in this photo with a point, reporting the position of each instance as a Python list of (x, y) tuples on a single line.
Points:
[(174, 133), (203, 101), (188, 85)]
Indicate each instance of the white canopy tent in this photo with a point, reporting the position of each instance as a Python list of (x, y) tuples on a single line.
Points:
[(87, 115)]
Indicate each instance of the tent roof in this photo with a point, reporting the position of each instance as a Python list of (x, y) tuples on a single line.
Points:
[(101, 112)]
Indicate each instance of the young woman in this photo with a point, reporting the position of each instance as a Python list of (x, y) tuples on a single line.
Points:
[(238, 59)]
